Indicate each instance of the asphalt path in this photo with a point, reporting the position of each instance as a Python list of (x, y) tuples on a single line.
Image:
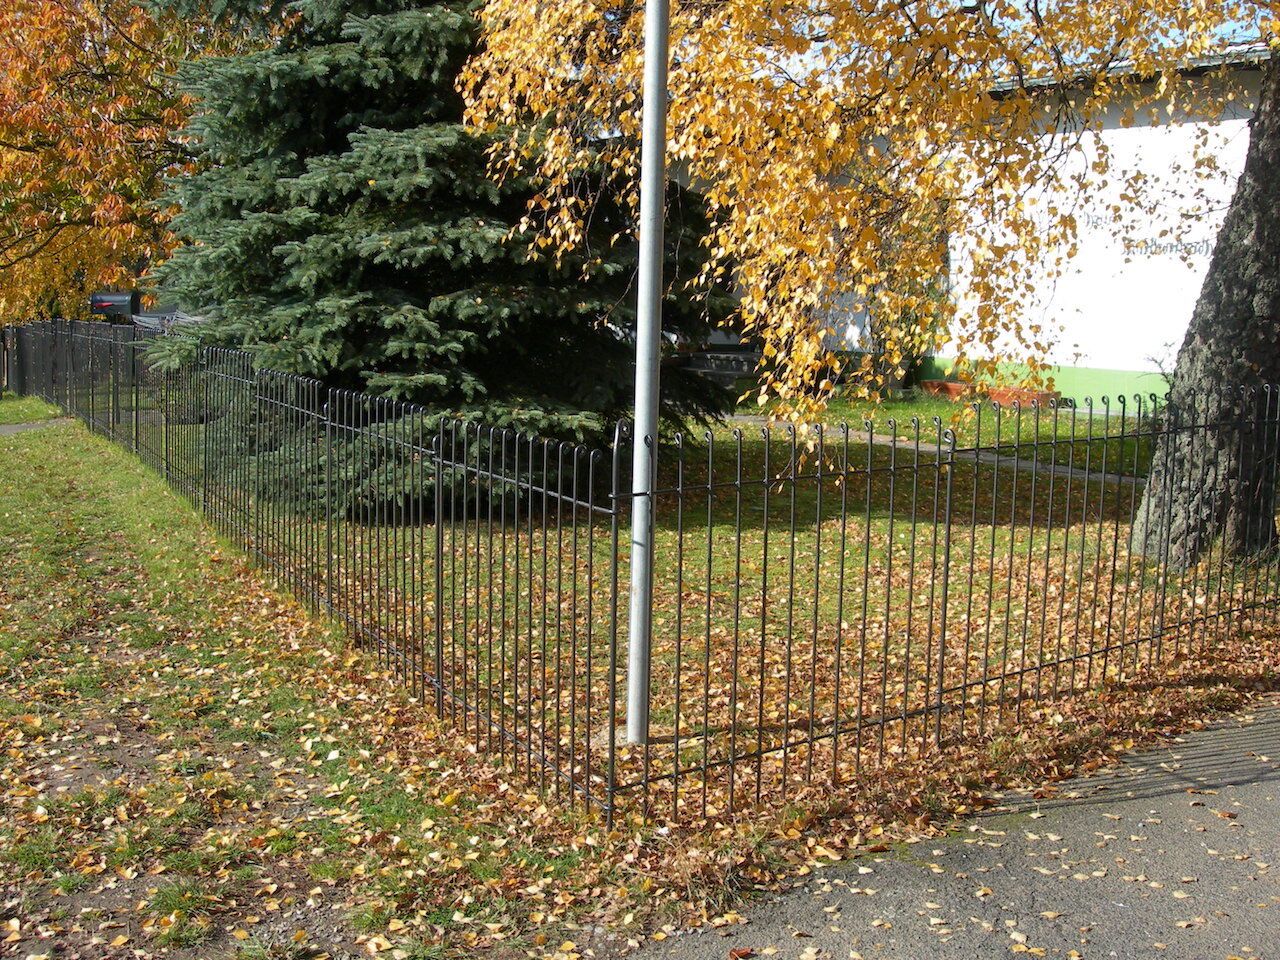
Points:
[(8, 429), (1173, 853)]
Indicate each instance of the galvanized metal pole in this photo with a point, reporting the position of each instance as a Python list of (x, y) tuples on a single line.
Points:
[(653, 185)]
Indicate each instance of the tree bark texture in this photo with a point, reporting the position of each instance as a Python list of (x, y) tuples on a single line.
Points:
[(1214, 469)]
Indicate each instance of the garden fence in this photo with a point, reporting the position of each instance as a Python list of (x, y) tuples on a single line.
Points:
[(823, 605)]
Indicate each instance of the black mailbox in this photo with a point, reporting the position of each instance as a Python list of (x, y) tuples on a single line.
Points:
[(105, 303)]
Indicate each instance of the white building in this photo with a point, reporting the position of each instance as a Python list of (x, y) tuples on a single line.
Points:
[(1122, 304)]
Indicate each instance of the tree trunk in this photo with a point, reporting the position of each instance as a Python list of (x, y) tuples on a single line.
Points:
[(1214, 470)]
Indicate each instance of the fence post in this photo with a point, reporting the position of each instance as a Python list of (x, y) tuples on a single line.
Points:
[(134, 380), (437, 455), (67, 371), (255, 493), (91, 343), (328, 499), (948, 466), (164, 424), (1169, 428), (202, 368), (113, 383), (58, 366), (72, 372), (11, 357)]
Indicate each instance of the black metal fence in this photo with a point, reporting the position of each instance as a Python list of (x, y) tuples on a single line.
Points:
[(823, 605)]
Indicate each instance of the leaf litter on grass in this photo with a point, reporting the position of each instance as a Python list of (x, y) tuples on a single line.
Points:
[(195, 767)]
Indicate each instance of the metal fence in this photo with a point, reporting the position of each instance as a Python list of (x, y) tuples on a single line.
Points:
[(823, 605)]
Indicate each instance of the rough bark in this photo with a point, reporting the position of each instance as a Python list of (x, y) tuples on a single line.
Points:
[(1214, 471)]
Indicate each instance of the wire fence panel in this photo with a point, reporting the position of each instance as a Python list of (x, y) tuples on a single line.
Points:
[(823, 604), (527, 586), (798, 622), (873, 595)]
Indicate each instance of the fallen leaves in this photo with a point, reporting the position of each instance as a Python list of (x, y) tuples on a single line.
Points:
[(181, 721)]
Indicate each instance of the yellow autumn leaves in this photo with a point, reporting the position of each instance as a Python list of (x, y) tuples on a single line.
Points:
[(841, 145), (89, 110)]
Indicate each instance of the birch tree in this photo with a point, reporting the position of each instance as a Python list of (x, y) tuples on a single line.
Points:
[(839, 142)]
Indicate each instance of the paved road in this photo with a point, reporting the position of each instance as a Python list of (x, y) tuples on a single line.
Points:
[(1173, 854)]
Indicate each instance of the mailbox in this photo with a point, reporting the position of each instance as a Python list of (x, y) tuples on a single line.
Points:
[(106, 303)]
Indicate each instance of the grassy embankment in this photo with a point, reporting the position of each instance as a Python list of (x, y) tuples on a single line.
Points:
[(14, 409)]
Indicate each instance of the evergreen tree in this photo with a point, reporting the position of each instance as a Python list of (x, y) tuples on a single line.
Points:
[(342, 226)]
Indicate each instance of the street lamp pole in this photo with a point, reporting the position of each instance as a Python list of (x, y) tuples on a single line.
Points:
[(653, 184)]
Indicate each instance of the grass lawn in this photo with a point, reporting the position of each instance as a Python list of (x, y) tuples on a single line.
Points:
[(14, 409), (195, 767)]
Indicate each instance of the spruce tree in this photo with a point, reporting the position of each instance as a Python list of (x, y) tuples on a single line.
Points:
[(341, 225)]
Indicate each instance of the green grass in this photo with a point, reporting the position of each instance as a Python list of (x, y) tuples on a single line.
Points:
[(15, 409), (38, 851), (120, 611), (182, 896), (781, 608)]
